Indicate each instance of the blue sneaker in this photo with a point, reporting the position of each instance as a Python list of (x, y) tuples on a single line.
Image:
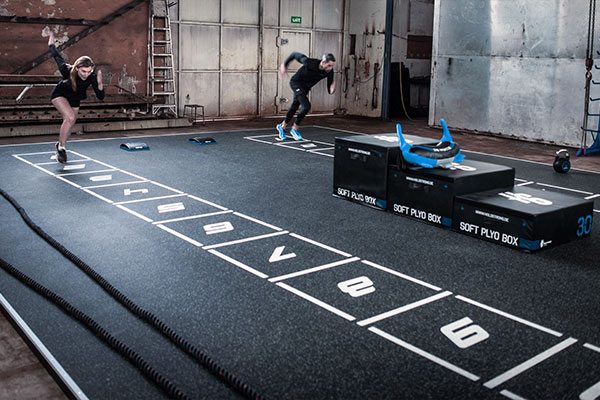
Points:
[(296, 135), (281, 132)]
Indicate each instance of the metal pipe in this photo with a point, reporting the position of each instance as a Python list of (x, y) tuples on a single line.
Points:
[(387, 58)]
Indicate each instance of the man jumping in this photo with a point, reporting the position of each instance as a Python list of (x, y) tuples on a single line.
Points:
[(311, 72)]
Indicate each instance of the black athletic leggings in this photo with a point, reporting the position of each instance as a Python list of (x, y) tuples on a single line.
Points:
[(300, 99)]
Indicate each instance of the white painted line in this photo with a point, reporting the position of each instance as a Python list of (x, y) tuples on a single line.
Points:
[(97, 195), (294, 235), (115, 184), (424, 354), (532, 362), (22, 159), (170, 196), (88, 172), (33, 154), (68, 181), (208, 202), (592, 347), (134, 175), (511, 395), (564, 188), (180, 236), (318, 302), (287, 146), (596, 211), (43, 351), (261, 136), (258, 221), (510, 316), (260, 141), (73, 167), (134, 213), (525, 183), (521, 180), (315, 269), (403, 276), (248, 239), (592, 197), (101, 178), (525, 161), (238, 264), (402, 309), (167, 221), (321, 154), (167, 187)]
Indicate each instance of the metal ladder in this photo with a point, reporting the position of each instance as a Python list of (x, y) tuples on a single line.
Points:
[(160, 53)]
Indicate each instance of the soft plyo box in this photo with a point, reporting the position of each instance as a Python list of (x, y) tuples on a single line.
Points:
[(360, 166), (428, 193), (523, 217)]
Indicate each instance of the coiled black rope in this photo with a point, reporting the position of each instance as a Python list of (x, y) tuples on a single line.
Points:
[(145, 315), (120, 347)]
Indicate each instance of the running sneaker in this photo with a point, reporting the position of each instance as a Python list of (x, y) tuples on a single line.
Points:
[(61, 154), (296, 135), (281, 132)]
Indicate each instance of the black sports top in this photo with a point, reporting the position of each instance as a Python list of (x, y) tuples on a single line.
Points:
[(63, 88), (309, 74)]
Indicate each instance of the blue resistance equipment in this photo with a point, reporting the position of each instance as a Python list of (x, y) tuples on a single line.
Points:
[(134, 146), (441, 155), (202, 140)]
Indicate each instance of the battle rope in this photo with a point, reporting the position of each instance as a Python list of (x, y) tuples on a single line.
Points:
[(147, 316), (100, 332)]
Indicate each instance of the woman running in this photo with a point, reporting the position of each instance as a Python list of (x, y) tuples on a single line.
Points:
[(68, 93)]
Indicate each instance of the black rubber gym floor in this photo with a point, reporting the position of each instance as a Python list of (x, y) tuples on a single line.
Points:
[(240, 248)]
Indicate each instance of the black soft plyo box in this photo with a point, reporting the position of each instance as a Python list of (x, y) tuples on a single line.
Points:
[(360, 166), (523, 217), (428, 193)]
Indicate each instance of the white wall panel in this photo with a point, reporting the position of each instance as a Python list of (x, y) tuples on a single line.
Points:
[(240, 12), (329, 14), (296, 8), (204, 10), (199, 46), (239, 96), (240, 48), (199, 88)]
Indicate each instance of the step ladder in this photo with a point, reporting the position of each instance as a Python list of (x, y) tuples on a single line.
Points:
[(161, 76)]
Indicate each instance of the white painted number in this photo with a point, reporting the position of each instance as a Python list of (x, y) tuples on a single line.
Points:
[(526, 198), (163, 208), (279, 256), (219, 227), (593, 393), (100, 178), (357, 287), (462, 335), (127, 192), (462, 167)]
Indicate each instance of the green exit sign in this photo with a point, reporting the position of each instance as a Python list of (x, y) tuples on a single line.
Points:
[(296, 20)]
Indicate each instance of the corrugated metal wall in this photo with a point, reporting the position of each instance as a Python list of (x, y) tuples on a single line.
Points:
[(513, 67), (228, 52)]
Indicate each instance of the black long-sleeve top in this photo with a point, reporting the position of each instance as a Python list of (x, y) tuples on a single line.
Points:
[(63, 88), (309, 74)]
